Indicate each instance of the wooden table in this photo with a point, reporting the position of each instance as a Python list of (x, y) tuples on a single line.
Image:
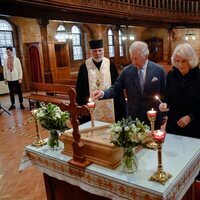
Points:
[(181, 157)]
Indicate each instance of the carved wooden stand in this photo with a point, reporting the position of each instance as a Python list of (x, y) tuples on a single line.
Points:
[(78, 146)]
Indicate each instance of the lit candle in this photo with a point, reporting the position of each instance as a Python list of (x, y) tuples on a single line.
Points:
[(90, 104), (159, 135), (152, 113), (158, 99)]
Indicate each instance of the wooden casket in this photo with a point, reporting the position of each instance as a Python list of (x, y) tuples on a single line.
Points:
[(97, 146)]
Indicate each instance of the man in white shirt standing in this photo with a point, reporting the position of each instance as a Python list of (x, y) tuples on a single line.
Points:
[(12, 72)]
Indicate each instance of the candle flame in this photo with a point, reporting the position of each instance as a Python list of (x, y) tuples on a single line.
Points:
[(90, 103), (158, 99), (159, 132)]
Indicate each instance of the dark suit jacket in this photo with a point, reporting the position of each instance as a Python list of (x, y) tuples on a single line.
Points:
[(139, 103)]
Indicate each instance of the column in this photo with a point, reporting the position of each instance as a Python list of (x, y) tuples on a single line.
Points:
[(169, 46), (47, 69)]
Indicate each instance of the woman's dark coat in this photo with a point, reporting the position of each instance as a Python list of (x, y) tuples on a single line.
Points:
[(183, 98)]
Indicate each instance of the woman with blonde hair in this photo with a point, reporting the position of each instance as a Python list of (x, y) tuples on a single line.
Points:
[(182, 93)]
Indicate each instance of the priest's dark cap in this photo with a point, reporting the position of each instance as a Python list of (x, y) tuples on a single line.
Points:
[(96, 44)]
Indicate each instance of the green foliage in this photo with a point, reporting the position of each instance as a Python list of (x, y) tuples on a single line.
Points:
[(128, 133), (53, 140), (51, 117)]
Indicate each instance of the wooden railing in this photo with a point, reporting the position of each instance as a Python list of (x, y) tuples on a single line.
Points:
[(175, 5), (183, 6), (162, 6), (131, 10)]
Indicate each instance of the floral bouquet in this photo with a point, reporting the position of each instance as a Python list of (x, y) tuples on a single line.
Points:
[(129, 134), (53, 119)]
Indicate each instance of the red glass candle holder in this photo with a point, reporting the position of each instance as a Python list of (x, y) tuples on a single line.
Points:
[(159, 136)]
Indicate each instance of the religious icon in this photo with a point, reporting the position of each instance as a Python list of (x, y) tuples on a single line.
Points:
[(98, 80), (98, 84)]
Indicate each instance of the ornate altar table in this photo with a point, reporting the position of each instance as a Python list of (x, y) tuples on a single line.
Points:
[(181, 157)]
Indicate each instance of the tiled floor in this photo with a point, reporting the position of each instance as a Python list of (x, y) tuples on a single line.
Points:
[(16, 131)]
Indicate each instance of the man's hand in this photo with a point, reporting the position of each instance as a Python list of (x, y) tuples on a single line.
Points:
[(98, 94), (6, 82), (163, 107), (20, 81), (184, 121)]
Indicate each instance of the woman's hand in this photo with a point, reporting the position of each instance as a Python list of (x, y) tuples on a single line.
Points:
[(163, 107), (184, 121)]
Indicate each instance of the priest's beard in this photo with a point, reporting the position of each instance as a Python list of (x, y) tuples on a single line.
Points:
[(97, 59)]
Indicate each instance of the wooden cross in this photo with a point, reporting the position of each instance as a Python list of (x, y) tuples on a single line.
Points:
[(78, 146)]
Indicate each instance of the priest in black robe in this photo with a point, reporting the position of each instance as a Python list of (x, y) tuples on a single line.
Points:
[(97, 72)]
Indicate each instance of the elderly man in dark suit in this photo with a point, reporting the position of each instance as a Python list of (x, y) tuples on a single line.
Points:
[(141, 80)]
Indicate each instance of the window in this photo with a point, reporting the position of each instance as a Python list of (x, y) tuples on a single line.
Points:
[(121, 48), (111, 43), (61, 34), (76, 43), (6, 39)]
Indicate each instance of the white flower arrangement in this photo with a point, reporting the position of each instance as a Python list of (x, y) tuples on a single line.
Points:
[(51, 117), (128, 133)]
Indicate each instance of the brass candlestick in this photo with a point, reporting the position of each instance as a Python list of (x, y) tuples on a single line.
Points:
[(38, 142), (152, 119), (160, 176)]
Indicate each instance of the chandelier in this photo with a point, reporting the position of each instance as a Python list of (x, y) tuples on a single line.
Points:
[(129, 36), (190, 34)]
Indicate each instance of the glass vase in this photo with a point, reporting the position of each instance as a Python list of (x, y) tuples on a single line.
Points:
[(53, 140), (129, 160)]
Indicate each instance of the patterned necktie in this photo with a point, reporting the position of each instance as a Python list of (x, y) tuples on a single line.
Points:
[(10, 61), (141, 79)]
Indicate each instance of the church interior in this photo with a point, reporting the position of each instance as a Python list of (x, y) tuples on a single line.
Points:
[(51, 39)]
